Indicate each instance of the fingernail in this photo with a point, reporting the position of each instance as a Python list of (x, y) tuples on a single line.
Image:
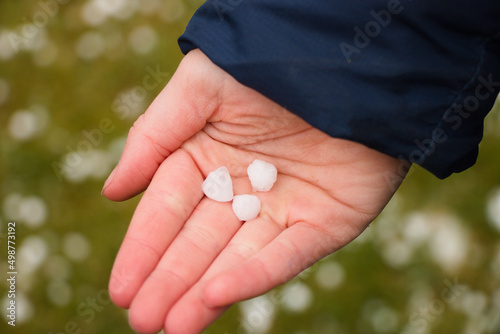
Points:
[(109, 179)]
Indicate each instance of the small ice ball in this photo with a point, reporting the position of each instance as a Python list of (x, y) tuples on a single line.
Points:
[(246, 207), (218, 185), (262, 175)]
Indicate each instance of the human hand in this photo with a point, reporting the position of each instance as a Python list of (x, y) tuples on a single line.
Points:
[(186, 258)]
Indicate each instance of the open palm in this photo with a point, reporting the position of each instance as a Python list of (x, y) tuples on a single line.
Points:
[(186, 258)]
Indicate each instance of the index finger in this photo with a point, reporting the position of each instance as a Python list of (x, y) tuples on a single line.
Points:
[(161, 213)]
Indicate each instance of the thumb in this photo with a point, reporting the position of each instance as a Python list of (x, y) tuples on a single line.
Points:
[(178, 112)]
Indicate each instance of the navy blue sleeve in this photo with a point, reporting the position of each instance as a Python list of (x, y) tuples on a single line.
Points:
[(412, 79)]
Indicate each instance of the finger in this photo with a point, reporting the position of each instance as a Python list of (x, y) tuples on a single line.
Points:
[(204, 235), (165, 206), (178, 112), (292, 251), (190, 314)]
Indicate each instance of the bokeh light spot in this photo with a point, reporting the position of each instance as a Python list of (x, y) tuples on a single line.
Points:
[(90, 46), (59, 292), (143, 39), (24, 308), (23, 125), (330, 275), (33, 211), (31, 254), (57, 267), (297, 297), (76, 246), (257, 314), (493, 209)]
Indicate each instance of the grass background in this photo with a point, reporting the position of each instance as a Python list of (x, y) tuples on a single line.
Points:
[(391, 280)]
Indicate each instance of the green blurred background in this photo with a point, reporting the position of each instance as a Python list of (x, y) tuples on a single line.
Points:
[(71, 85)]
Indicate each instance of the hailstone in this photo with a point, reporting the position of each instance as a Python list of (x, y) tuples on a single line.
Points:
[(218, 185), (246, 207), (262, 175)]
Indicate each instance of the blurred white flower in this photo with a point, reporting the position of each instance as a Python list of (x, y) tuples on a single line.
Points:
[(31, 254), (143, 39), (59, 292), (297, 296), (449, 244), (493, 209), (90, 45), (330, 275), (257, 314), (76, 246)]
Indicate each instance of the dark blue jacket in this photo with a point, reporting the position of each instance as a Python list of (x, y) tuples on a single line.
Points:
[(412, 79)]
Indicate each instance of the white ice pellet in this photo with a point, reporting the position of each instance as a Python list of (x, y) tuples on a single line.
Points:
[(262, 175), (246, 207), (218, 185)]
